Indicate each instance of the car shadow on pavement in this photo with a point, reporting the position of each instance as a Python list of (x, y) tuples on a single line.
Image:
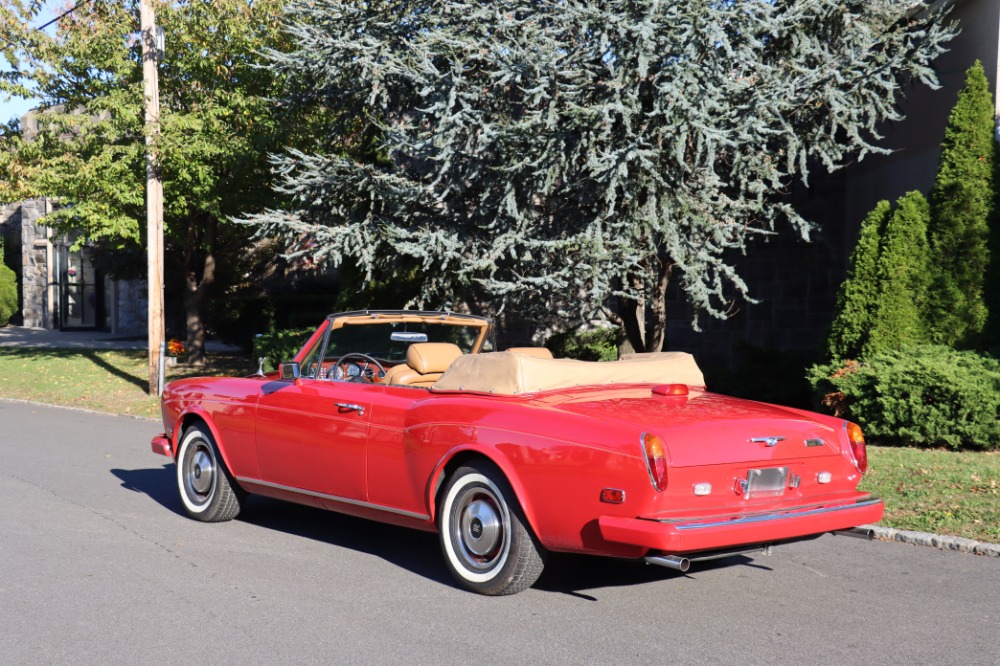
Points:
[(409, 549), (572, 574), (156, 482), (414, 550)]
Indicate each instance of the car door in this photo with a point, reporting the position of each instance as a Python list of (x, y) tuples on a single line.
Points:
[(312, 434)]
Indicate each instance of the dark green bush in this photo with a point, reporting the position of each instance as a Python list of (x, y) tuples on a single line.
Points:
[(924, 396), (599, 344), (8, 291), (278, 346)]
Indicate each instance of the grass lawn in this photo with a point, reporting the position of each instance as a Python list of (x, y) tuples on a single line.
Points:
[(944, 492), (932, 491), (113, 381)]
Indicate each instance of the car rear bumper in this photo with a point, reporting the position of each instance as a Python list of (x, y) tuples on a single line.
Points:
[(680, 536), (161, 445)]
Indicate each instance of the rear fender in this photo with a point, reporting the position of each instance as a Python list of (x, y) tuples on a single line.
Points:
[(492, 455)]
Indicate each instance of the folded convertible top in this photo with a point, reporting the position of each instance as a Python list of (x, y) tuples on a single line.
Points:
[(509, 373)]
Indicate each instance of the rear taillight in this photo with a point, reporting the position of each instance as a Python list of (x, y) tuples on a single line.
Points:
[(858, 447), (655, 454)]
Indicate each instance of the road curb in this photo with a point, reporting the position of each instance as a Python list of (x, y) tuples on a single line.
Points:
[(959, 544)]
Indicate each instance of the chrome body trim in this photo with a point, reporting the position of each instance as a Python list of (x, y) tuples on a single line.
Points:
[(771, 516), (334, 498)]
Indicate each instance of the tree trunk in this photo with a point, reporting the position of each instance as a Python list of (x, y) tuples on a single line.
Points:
[(199, 275), (645, 323)]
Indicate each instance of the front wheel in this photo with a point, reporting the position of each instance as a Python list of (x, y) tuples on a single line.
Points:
[(206, 488), (487, 543)]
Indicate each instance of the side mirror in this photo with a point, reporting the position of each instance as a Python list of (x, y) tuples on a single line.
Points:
[(289, 370)]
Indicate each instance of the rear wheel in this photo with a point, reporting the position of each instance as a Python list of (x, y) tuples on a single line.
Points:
[(487, 543), (207, 489)]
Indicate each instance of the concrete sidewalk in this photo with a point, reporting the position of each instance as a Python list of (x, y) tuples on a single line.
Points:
[(24, 336)]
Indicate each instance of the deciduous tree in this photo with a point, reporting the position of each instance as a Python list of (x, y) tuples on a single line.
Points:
[(217, 125)]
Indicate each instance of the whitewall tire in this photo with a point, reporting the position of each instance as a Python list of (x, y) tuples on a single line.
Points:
[(487, 543), (206, 487)]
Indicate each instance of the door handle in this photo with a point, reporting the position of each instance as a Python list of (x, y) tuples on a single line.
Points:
[(351, 407)]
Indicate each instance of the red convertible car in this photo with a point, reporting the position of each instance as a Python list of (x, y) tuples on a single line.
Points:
[(406, 418)]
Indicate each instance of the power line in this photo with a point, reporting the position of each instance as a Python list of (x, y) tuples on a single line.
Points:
[(55, 20), (65, 14)]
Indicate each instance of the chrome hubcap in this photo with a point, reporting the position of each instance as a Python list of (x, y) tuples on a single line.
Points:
[(480, 529), (200, 474)]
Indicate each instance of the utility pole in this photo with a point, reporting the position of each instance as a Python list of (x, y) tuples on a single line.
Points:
[(154, 193)]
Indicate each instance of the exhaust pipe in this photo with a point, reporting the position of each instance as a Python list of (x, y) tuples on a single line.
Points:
[(681, 564), (857, 532)]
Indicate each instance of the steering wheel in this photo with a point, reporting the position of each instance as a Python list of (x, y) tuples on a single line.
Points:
[(368, 360)]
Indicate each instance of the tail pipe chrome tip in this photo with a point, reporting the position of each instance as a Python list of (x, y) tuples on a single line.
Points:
[(674, 562), (857, 532)]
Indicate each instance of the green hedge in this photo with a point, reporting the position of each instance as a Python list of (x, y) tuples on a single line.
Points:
[(923, 396), (599, 344), (8, 291), (278, 346)]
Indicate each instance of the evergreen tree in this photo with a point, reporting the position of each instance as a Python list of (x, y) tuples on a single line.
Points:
[(579, 154), (961, 208), (897, 318), (859, 293)]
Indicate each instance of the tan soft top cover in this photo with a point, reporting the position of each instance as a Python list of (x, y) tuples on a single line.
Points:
[(508, 373)]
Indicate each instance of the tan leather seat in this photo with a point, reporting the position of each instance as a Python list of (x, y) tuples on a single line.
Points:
[(538, 352), (425, 363)]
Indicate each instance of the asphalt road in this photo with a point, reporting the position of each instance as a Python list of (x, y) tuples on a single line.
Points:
[(98, 566)]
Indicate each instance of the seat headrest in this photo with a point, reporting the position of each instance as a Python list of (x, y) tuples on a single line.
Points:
[(427, 357)]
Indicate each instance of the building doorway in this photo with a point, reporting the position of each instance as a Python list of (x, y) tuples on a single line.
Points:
[(81, 290)]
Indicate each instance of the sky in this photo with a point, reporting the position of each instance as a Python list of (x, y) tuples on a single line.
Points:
[(16, 107)]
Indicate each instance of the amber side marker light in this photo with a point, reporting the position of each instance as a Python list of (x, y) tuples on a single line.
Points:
[(655, 454), (858, 447)]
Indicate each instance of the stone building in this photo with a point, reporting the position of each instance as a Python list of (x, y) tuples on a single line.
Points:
[(60, 288)]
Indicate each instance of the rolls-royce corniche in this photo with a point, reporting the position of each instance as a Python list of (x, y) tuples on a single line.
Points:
[(411, 418)]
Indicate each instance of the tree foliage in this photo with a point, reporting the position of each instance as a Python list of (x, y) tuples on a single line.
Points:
[(860, 291), (583, 153), (217, 124), (962, 204)]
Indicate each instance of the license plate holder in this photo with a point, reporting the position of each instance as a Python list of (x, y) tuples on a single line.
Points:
[(766, 482)]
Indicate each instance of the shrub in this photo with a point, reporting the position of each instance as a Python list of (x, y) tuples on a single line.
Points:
[(8, 291), (278, 346), (599, 344), (925, 396)]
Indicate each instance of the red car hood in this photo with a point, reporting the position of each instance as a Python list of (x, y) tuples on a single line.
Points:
[(707, 428)]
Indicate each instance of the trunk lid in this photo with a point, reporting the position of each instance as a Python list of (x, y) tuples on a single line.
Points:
[(710, 429)]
